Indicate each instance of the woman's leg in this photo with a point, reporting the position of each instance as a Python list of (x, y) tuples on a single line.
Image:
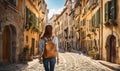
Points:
[(46, 64), (52, 64)]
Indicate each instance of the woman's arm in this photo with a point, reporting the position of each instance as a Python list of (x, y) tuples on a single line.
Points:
[(41, 45), (57, 47)]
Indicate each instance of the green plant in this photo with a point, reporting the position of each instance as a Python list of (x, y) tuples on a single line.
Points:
[(94, 54), (20, 57), (30, 57), (26, 48), (107, 23)]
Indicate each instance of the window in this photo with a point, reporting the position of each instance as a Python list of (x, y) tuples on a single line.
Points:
[(113, 9), (98, 13), (97, 19), (12, 2), (26, 39), (84, 21), (93, 21), (107, 10), (31, 17)]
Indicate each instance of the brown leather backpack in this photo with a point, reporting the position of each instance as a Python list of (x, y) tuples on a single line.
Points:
[(49, 49)]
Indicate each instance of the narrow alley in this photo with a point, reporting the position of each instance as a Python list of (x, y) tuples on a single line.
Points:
[(69, 61), (87, 30)]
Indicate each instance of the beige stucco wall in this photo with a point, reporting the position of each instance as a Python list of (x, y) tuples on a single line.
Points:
[(31, 34), (108, 31)]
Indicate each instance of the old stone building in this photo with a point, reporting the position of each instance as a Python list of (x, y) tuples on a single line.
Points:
[(97, 23), (90, 26), (21, 23), (94, 29), (62, 25), (11, 30), (110, 31)]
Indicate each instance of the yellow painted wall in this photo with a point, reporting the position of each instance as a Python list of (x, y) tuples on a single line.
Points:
[(108, 31), (31, 34)]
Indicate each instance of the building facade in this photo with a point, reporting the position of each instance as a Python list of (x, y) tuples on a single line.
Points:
[(63, 27), (36, 19), (97, 23), (94, 29), (11, 30), (110, 49)]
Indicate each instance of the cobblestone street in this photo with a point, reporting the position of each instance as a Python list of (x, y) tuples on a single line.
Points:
[(68, 62)]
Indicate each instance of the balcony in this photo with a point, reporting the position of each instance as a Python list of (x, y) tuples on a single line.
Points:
[(110, 22), (31, 21)]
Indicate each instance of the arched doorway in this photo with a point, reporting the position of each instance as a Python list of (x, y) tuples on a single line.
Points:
[(111, 48), (13, 44), (6, 40), (9, 44)]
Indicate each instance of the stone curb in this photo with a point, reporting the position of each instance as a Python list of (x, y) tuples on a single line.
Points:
[(112, 66)]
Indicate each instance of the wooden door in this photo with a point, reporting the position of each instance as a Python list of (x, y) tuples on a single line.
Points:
[(6, 46)]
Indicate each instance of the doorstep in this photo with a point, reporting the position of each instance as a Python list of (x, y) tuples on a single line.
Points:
[(110, 65)]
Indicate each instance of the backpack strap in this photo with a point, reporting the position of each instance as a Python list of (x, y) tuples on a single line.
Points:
[(49, 39)]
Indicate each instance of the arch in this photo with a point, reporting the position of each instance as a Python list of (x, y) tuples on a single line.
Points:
[(6, 42), (111, 48), (13, 43), (9, 44)]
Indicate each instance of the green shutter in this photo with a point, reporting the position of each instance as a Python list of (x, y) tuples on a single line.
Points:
[(98, 18), (113, 7), (106, 12)]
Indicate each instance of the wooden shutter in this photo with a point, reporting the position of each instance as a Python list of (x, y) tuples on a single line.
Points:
[(113, 9)]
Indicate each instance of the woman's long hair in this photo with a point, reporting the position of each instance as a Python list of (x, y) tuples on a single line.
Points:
[(48, 31)]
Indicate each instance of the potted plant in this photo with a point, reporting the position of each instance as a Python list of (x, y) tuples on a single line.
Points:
[(26, 52), (26, 48), (94, 54), (69, 47), (30, 58), (20, 57)]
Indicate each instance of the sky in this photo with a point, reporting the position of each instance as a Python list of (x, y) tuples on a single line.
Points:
[(55, 6)]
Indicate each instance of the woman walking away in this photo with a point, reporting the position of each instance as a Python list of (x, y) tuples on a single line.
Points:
[(48, 49)]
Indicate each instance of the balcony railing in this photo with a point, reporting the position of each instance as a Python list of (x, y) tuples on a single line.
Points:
[(110, 22)]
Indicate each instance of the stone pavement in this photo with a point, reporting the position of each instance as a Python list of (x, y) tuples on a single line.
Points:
[(113, 66), (68, 62)]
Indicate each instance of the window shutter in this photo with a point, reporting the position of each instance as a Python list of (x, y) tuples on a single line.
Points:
[(107, 11), (113, 9), (99, 16), (97, 19)]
